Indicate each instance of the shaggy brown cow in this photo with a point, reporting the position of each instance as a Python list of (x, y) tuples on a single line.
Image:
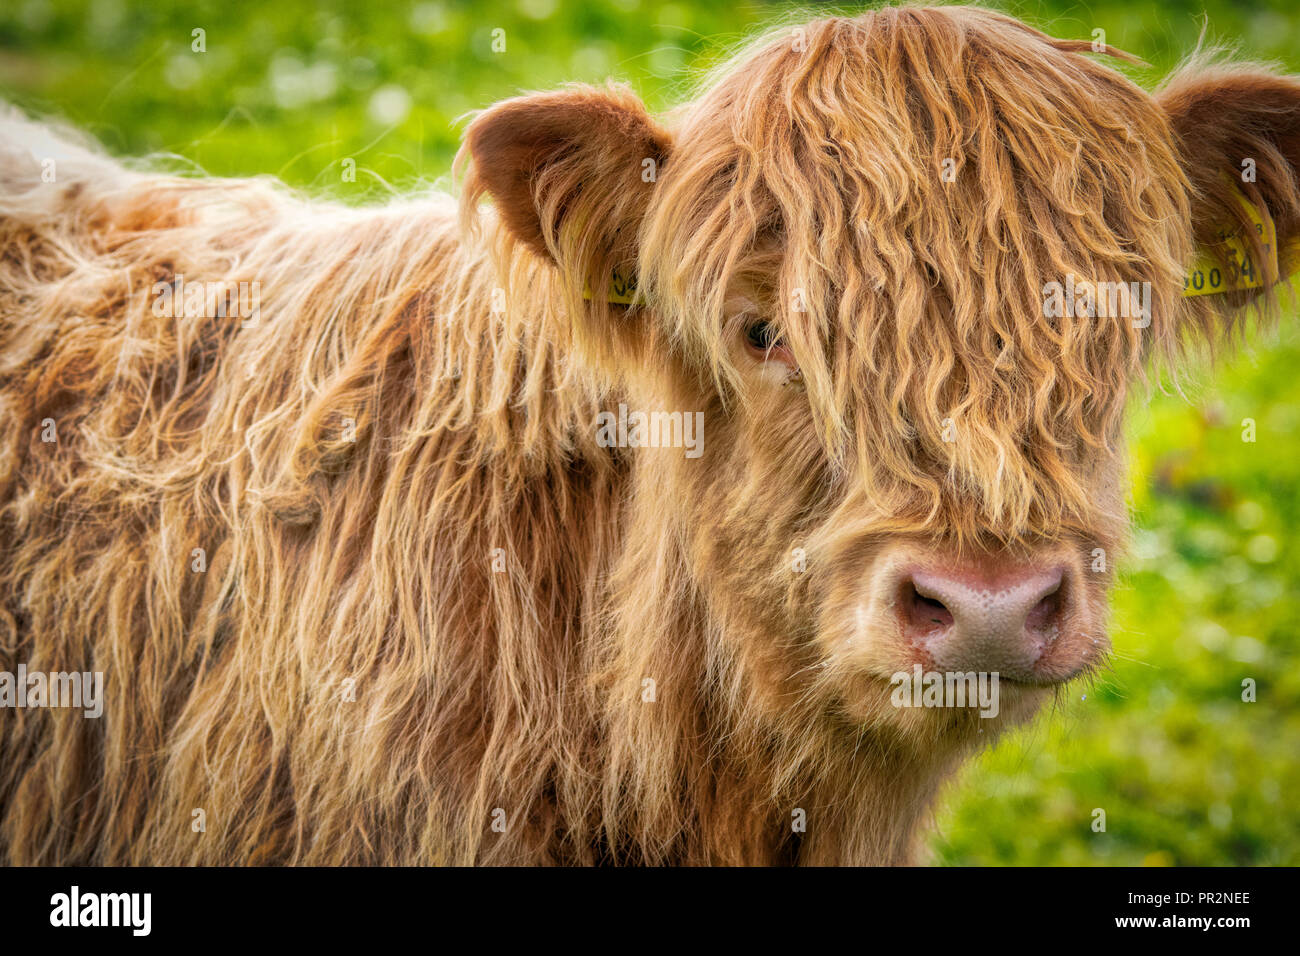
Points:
[(364, 576)]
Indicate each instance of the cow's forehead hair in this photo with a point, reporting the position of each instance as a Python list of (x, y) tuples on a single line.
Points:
[(928, 174)]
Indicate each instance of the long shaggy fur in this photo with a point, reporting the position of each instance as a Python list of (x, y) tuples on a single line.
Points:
[(431, 600)]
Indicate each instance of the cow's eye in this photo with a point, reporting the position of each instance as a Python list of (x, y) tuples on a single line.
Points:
[(766, 345), (762, 336)]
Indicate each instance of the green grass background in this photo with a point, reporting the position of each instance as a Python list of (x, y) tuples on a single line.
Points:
[(1186, 772)]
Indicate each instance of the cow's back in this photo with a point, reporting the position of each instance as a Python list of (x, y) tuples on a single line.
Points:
[(331, 544)]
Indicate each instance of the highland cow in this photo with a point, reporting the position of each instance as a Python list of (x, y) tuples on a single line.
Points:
[(363, 582)]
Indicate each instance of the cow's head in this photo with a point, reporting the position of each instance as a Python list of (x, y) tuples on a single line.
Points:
[(849, 248)]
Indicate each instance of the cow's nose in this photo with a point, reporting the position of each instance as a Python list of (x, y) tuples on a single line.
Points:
[(968, 621)]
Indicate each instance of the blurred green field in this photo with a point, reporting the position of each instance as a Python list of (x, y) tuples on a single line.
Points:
[(1186, 772)]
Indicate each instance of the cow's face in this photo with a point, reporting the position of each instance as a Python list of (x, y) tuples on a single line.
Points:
[(911, 266)]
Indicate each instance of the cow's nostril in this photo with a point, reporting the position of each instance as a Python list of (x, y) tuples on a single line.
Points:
[(931, 603), (1044, 617), (921, 613)]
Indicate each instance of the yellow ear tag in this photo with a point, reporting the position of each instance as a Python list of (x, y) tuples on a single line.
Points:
[(622, 290), (1208, 277)]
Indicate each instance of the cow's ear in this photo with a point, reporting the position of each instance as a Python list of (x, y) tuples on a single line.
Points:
[(570, 173), (1238, 127)]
